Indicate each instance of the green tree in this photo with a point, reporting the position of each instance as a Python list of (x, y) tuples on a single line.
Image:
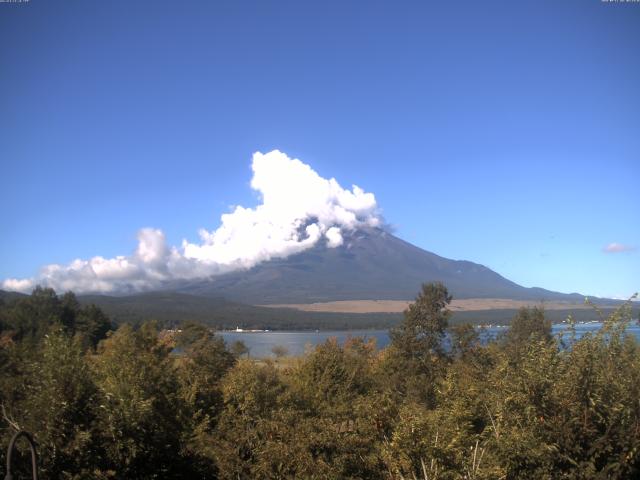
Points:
[(239, 348), (140, 409), (29, 318), (310, 420), (204, 363), (528, 325), (464, 339), (191, 333), (424, 325), (92, 324), (59, 407), (416, 357), (251, 393)]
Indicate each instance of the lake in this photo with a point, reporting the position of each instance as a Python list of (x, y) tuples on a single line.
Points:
[(261, 343)]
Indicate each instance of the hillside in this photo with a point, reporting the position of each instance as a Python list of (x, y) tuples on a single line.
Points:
[(9, 296), (370, 265), (171, 309), (347, 287)]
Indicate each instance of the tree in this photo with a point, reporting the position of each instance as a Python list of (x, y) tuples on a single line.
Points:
[(528, 325), (251, 392), (140, 409), (416, 355), (464, 339), (239, 348), (191, 333), (206, 360), (204, 363), (30, 317), (59, 407), (92, 324), (279, 351), (425, 322), (69, 308)]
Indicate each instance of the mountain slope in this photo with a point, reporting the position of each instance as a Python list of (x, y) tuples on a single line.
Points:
[(8, 297), (370, 265)]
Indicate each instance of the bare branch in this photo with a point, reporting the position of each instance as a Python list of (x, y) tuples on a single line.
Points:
[(12, 423)]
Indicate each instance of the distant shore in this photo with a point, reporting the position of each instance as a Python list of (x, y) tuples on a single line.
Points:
[(398, 306)]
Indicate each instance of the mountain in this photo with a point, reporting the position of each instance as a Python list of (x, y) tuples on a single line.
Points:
[(7, 297), (370, 265)]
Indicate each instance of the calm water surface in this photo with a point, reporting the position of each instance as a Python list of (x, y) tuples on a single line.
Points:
[(261, 343)]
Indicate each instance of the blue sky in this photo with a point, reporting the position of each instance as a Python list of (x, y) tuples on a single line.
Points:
[(506, 133)]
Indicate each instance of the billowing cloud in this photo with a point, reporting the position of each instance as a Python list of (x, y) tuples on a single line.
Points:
[(618, 248), (298, 209), (334, 237)]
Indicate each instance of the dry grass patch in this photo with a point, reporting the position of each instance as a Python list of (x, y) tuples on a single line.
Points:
[(398, 306)]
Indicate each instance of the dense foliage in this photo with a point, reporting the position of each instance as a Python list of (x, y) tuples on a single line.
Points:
[(122, 404)]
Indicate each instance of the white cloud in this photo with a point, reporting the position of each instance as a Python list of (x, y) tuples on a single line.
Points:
[(14, 284), (299, 209), (334, 237), (618, 248)]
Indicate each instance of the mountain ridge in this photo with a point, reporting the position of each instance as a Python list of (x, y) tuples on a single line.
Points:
[(370, 265)]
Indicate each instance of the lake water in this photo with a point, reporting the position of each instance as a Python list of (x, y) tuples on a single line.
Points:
[(261, 343)]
